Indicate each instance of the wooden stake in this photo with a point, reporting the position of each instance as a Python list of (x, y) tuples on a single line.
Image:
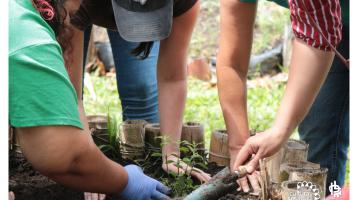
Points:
[(219, 151)]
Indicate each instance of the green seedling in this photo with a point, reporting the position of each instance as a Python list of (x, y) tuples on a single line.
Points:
[(112, 149), (183, 182)]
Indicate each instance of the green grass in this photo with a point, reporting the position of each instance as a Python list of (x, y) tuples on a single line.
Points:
[(107, 97), (202, 103)]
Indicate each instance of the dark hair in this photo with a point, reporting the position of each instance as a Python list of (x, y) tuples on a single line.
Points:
[(142, 50), (54, 13)]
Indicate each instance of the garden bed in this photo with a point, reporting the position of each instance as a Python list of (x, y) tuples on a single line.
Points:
[(28, 184)]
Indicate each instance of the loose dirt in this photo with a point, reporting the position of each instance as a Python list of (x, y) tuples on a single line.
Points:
[(28, 184)]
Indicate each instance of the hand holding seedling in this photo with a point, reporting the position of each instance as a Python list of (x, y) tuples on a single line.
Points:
[(142, 187), (173, 164)]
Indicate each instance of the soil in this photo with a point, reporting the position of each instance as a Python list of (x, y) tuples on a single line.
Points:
[(239, 196), (28, 184)]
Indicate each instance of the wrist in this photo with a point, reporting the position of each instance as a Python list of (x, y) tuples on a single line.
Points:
[(170, 150), (281, 131)]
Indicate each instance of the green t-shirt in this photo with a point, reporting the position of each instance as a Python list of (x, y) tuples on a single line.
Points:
[(40, 91), (344, 7)]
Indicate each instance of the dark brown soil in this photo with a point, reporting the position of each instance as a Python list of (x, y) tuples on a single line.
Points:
[(239, 196), (28, 184)]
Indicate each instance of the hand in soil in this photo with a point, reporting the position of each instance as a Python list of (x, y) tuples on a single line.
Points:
[(143, 187), (171, 165), (94, 196)]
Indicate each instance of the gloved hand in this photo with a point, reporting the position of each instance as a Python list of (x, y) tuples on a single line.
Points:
[(142, 187)]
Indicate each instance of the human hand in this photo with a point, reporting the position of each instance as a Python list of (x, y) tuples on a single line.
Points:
[(171, 163), (261, 145), (142, 187), (94, 196), (254, 178)]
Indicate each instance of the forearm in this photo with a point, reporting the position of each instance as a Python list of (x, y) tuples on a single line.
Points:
[(237, 20), (93, 172), (308, 70), (172, 78), (69, 156), (232, 94), (171, 97)]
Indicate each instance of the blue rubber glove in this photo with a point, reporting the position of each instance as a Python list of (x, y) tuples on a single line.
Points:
[(142, 187)]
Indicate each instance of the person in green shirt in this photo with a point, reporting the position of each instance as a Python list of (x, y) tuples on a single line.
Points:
[(49, 121), (312, 58)]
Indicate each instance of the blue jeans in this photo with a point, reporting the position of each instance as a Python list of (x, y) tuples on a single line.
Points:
[(326, 126), (136, 78)]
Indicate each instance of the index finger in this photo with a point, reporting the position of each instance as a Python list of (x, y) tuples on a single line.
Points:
[(241, 158)]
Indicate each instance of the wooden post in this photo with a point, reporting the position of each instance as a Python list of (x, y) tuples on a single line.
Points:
[(287, 168), (292, 151), (315, 176), (295, 150), (219, 151), (152, 132), (273, 165), (193, 133), (98, 128), (132, 139)]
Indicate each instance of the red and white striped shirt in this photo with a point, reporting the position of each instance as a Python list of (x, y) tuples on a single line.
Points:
[(325, 13)]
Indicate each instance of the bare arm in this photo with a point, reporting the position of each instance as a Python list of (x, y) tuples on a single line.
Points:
[(172, 86), (69, 156), (237, 21), (308, 70), (172, 77)]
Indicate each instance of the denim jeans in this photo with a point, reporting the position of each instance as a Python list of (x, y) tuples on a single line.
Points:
[(326, 126), (136, 78)]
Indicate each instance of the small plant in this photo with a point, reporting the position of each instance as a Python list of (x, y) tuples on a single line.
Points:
[(183, 183), (112, 148)]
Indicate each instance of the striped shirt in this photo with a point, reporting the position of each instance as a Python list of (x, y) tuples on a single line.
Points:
[(310, 18)]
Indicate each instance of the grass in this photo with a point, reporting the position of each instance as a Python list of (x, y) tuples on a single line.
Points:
[(202, 103)]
